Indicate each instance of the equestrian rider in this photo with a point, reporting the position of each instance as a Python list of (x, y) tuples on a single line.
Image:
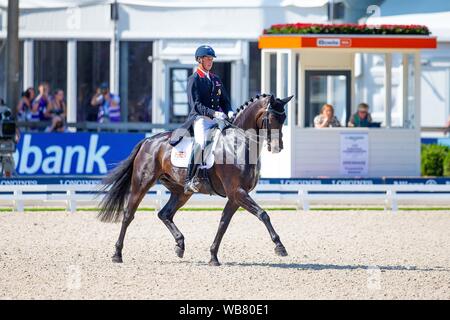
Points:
[(208, 100)]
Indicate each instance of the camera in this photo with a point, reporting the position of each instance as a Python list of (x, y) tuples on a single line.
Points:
[(7, 131), (7, 142)]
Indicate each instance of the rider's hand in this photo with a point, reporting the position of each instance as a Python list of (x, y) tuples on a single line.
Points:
[(220, 115)]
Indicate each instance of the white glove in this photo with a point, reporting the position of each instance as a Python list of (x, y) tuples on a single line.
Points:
[(220, 115), (230, 114)]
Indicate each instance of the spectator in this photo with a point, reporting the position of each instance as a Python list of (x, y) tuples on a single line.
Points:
[(41, 103), (57, 125), (25, 104), (326, 117), (362, 117), (57, 107), (109, 104)]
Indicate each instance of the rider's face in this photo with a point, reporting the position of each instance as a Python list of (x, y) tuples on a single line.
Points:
[(206, 62)]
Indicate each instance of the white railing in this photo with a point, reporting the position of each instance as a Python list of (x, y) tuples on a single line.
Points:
[(299, 195)]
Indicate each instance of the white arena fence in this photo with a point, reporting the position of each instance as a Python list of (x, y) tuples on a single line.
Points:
[(302, 196)]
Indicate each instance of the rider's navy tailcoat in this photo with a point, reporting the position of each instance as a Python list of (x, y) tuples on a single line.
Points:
[(205, 97)]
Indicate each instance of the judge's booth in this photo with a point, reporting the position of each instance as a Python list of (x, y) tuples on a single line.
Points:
[(321, 69)]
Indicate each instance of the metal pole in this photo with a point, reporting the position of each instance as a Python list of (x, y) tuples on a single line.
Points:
[(331, 11), (12, 65)]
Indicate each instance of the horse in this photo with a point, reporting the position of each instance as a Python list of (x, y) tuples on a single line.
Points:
[(150, 161)]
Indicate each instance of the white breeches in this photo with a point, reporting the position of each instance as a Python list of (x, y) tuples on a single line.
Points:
[(201, 125)]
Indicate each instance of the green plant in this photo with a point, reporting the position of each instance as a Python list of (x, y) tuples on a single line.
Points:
[(433, 159), (447, 165)]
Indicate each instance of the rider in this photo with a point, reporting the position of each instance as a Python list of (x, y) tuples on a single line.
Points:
[(208, 99)]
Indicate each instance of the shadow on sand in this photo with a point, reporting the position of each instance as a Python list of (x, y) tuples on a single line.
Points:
[(318, 266)]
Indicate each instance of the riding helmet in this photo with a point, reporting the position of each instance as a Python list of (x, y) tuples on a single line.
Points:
[(204, 50)]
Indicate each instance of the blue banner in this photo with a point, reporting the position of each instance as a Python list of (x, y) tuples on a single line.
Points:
[(72, 153), (441, 141), (83, 180), (90, 154)]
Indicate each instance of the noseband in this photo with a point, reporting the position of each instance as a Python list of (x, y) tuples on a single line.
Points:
[(279, 115)]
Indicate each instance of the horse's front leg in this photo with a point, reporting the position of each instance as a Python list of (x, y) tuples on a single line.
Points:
[(227, 214), (244, 200)]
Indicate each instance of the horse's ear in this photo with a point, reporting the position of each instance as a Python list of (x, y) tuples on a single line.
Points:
[(272, 98), (287, 99)]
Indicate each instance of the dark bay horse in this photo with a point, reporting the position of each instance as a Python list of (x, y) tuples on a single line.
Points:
[(150, 161)]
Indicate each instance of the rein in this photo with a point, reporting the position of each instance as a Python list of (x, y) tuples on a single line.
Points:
[(280, 115)]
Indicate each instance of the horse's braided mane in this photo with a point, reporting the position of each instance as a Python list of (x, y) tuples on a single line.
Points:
[(244, 106)]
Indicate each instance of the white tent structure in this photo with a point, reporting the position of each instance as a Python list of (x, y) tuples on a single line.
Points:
[(435, 78), (173, 27), (34, 4)]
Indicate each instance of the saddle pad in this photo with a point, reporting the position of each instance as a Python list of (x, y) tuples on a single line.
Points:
[(181, 153)]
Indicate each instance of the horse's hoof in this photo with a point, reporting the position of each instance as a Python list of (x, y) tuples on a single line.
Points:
[(117, 259), (179, 251), (214, 263), (281, 251)]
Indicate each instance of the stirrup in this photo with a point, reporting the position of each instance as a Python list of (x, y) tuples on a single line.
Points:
[(192, 185)]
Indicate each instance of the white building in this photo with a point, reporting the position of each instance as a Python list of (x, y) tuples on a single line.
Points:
[(144, 49), (435, 81)]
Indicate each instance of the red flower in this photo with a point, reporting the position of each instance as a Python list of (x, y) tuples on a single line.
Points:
[(346, 28)]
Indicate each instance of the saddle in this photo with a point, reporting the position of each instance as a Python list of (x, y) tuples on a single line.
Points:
[(181, 154)]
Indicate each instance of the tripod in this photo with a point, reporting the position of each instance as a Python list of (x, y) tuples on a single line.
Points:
[(6, 165)]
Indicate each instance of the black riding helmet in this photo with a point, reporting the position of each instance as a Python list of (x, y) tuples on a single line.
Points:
[(204, 51)]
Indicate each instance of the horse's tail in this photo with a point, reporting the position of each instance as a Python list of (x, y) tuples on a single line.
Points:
[(111, 206)]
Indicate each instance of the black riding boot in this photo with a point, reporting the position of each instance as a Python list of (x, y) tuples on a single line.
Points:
[(191, 183)]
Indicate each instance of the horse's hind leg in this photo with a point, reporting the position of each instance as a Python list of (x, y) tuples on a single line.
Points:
[(139, 188), (166, 214)]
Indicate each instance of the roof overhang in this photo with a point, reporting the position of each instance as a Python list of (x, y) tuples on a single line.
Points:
[(346, 42)]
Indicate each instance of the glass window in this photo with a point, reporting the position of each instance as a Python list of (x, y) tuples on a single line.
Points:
[(178, 94), (332, 87), (397, 116), (3, 75), (92, 70), (136, 80), (254, 85), (370, 83), (410, 121), (50, 64), (273, 74), (223, 70), (3, 68)]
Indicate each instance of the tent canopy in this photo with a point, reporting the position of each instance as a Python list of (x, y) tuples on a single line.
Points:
[(436, 22), (36, 4)]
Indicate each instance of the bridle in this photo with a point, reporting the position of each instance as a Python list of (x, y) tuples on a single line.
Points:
[(280, 115), (265, 124)]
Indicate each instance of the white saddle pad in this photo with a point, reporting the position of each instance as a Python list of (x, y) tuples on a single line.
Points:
[(181, 153)]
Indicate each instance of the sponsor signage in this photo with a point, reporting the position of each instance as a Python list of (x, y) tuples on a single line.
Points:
[(72, 153), (333, 42)]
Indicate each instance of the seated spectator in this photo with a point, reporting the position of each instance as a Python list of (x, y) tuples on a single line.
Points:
[(57, 125), (57, 107), (362, 117), (326, 118), (25, 105), (109, 104)]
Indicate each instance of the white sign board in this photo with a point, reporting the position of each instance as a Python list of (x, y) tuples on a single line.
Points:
[(354, 154)]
